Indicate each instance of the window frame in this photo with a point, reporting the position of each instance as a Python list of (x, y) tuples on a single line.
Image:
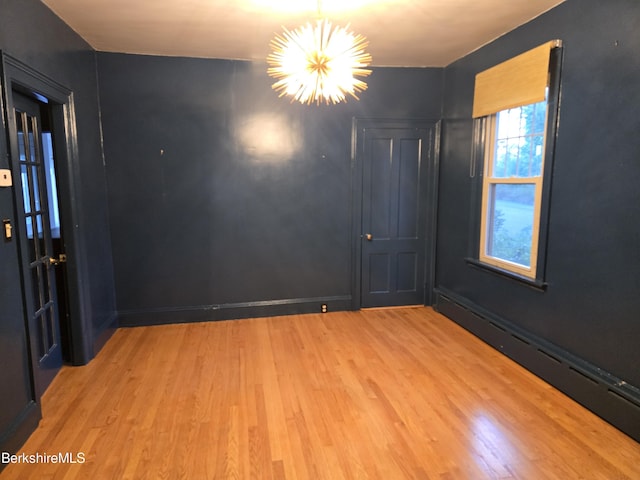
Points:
[(489, 181), (482, 143)]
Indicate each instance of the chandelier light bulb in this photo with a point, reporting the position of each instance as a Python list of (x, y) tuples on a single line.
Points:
[(319, 63)]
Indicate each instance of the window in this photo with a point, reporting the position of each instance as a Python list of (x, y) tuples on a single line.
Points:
[(514, 108), (512, 188)]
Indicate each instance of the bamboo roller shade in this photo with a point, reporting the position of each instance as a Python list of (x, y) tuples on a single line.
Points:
[(519, 81)]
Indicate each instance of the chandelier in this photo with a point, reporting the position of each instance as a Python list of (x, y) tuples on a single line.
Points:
[(319, 63)]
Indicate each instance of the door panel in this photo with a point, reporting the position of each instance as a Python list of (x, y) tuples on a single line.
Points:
[(379, 275), (407, 269), (379, 187), (37, 254), (408, 188), (394, 214)]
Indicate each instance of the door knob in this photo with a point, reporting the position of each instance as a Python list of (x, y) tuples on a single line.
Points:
[(62, 258), (369, 237)]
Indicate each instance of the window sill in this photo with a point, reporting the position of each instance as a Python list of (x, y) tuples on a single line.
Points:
[(530, 282)]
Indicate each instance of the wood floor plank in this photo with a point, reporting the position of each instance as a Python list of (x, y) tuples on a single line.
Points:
[(376, 394)]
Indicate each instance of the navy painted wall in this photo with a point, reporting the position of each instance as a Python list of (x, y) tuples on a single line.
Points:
[(220, 193), (224, 195), (591, 307), (31, 33)]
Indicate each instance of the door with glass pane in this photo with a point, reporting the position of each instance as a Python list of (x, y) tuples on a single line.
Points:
[(36, 246)]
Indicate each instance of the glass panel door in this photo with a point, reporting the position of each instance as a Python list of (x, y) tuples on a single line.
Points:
[(37, 257)]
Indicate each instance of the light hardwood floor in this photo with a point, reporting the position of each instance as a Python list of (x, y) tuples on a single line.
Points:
[(377, 394)]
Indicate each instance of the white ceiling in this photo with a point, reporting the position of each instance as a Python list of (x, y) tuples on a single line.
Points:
[(401, 32)]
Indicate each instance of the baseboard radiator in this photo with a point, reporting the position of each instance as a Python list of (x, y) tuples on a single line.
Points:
[(607, 396)]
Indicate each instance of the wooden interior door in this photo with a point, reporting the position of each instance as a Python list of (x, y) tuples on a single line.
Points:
[(395, 197)]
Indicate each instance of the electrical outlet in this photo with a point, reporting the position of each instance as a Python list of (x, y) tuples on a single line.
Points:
[(323, 308)]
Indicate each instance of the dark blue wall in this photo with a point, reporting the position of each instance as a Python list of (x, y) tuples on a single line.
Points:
[(591, 308), (226, 200), (32, 34)]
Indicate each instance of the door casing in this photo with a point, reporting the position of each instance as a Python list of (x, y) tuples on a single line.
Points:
[(359, 127), (19, 77)]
